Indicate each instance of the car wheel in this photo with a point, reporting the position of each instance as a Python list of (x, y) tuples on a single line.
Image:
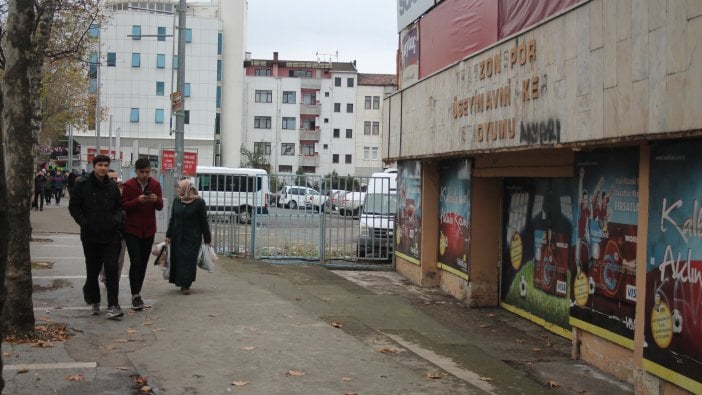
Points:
[(244, 216), (293, 204)]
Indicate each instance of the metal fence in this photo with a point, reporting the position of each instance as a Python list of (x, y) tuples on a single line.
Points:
[(310, 218)]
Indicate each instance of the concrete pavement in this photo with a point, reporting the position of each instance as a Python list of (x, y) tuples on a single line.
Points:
[(256, 328)]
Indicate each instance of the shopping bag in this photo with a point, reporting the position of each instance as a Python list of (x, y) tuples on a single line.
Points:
[(167, 259), (204, 259), (157, 248)]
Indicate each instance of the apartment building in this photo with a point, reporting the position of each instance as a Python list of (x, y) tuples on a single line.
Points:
[(134, 70), (312, 115)]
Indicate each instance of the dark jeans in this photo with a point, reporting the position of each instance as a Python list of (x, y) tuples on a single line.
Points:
[(97, 255), (38, 200), (139, 251), (57, 195)]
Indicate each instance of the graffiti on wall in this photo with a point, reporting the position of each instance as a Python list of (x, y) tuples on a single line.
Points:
[(544, 132)]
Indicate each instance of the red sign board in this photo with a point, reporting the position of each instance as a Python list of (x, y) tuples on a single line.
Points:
[(112, 154), (189, 161)]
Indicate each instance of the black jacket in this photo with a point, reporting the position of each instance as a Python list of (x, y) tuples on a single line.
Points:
[(96, 206)]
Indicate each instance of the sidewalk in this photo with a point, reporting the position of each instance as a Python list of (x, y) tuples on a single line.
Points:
[(286, 329)]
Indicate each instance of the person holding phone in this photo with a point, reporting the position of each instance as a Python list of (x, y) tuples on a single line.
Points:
[(141, 197)]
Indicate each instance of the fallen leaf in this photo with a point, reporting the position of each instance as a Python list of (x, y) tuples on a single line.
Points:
[(337, 324), (387, 350), (6, 354), (350, 393), (213, 315), (552, 383), (158, 330), (486, 378), (326, 299), (484, 325), (248, 348), (75, 377), (121, 341), (123, 368), (346, 379), (535, 349), (491, 315), (295, 373), (239, 383), (147, 323), (548, 343), (130, 330), (520, 341), (434, 375), (44, 319), (111, 347), (23, 370), (145, 389), (298, 299), (42, 344), (141, 380)]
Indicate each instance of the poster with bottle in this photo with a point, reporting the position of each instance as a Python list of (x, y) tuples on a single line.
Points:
[(454, 216), (408, 232), (673, 303), (604, 243)]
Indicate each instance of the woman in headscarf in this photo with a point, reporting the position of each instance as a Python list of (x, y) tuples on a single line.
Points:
[(187, 229)]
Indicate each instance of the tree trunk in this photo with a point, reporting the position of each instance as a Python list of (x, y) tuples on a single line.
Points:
[(17, 117), (4, 226)]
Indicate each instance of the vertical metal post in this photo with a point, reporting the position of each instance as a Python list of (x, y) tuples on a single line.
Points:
[(70, 146), (180, 114), (97, 95)]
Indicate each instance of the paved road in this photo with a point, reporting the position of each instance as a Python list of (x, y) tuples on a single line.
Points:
[(281, 329)]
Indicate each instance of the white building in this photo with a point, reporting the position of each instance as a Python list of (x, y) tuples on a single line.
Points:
[(137, 71), (315, 116)]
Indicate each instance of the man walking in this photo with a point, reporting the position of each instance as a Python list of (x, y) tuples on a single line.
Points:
[(96, 206), (58, 181), (141, 197)]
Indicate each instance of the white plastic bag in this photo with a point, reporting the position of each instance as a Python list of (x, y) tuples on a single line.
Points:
[(206, 258), (166, 266), (156, 248)]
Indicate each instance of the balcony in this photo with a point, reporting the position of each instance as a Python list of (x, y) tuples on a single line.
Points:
[(310, 135), (311, 160), (310, 83), (312, 109)]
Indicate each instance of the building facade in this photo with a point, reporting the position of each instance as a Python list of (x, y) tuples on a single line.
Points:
[(315, 116), (134, 68), (554, 171)]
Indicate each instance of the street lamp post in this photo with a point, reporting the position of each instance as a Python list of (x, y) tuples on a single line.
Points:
[(180, 113)]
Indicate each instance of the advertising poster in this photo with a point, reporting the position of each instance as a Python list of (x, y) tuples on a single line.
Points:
[(409, 210), (537, 234), (673, 318), (604, 239), (409, 47), (454, 216)]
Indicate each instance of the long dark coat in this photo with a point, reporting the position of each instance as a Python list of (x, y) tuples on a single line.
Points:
[(187, 229)]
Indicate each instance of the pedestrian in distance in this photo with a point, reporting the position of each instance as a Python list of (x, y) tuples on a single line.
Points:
[(58, 183), (48, 189), (187, 229), (96, 206), (141, 197), (39, 186)]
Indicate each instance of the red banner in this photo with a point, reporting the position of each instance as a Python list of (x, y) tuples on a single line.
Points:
[(189, 162), (112, 154)]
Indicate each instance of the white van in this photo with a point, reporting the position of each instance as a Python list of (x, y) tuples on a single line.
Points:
[(377, 218), (233, 192)]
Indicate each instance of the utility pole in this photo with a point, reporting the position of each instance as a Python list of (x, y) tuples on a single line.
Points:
[(97, 96), (180, 82)]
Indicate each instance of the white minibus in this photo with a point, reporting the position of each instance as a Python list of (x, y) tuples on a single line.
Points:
[(233, 192)]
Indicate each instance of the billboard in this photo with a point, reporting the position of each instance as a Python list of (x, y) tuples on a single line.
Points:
[(409, 51), (454, 216), (408, 233), (603, 297), (409, 10), (189, 162), (673, 303)]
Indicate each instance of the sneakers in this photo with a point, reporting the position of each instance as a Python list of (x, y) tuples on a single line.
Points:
[(114, 312), (137, 303), (95, 309)]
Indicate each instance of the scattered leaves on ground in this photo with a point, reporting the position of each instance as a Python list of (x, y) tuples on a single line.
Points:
[(110, 347), (434, 375), (536, 349), (387, 350), (121, 341), (336, 324), (239, 383), (248, 348), (42, 344), (75, 377), (147, 323), (297, 373), (486, 378), (141, 381), (145, 389), (158, 330), (346, 379), (41, 333), (130, 330), (552, 383)]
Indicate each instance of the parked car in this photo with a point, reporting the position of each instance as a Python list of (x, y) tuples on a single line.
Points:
[(334, 197), (315, 200), (293, 196), (352, 203)]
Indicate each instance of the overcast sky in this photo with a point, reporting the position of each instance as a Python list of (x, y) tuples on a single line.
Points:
[(361, 30)]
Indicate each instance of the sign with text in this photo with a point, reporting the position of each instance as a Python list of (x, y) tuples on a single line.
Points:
[(189, 161), (112, 154)]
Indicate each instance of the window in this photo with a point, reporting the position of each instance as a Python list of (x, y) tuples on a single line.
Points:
[(219, 43), (337, 107), (186, 117), (159, 115), (288, 122), (348, 158), (92, 88), (186, 89), (307, 149), (308, 124), (111, 59), (264, 96), (349, 107), (336, 133), (287, 149), (300, 73), (308, 169), (285, 169), (161, 33), (263, 72), (366, 127), (92, 69), (160, 61), (136, 32), (366, 153), (337, 81), (376, 102), (374, 153), (218, 129), (218, 97), (94, 31), (367, 103), (188, 35), (262, 122), (136, 59), (349, 133), (159, 88), (376, 128), (326, 120), (289, 97), (262, 147), (325, 146), (309, 98), (335, 158), (349, 82), (219, 70), (134, 115), (175, 62), (326, 94)]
